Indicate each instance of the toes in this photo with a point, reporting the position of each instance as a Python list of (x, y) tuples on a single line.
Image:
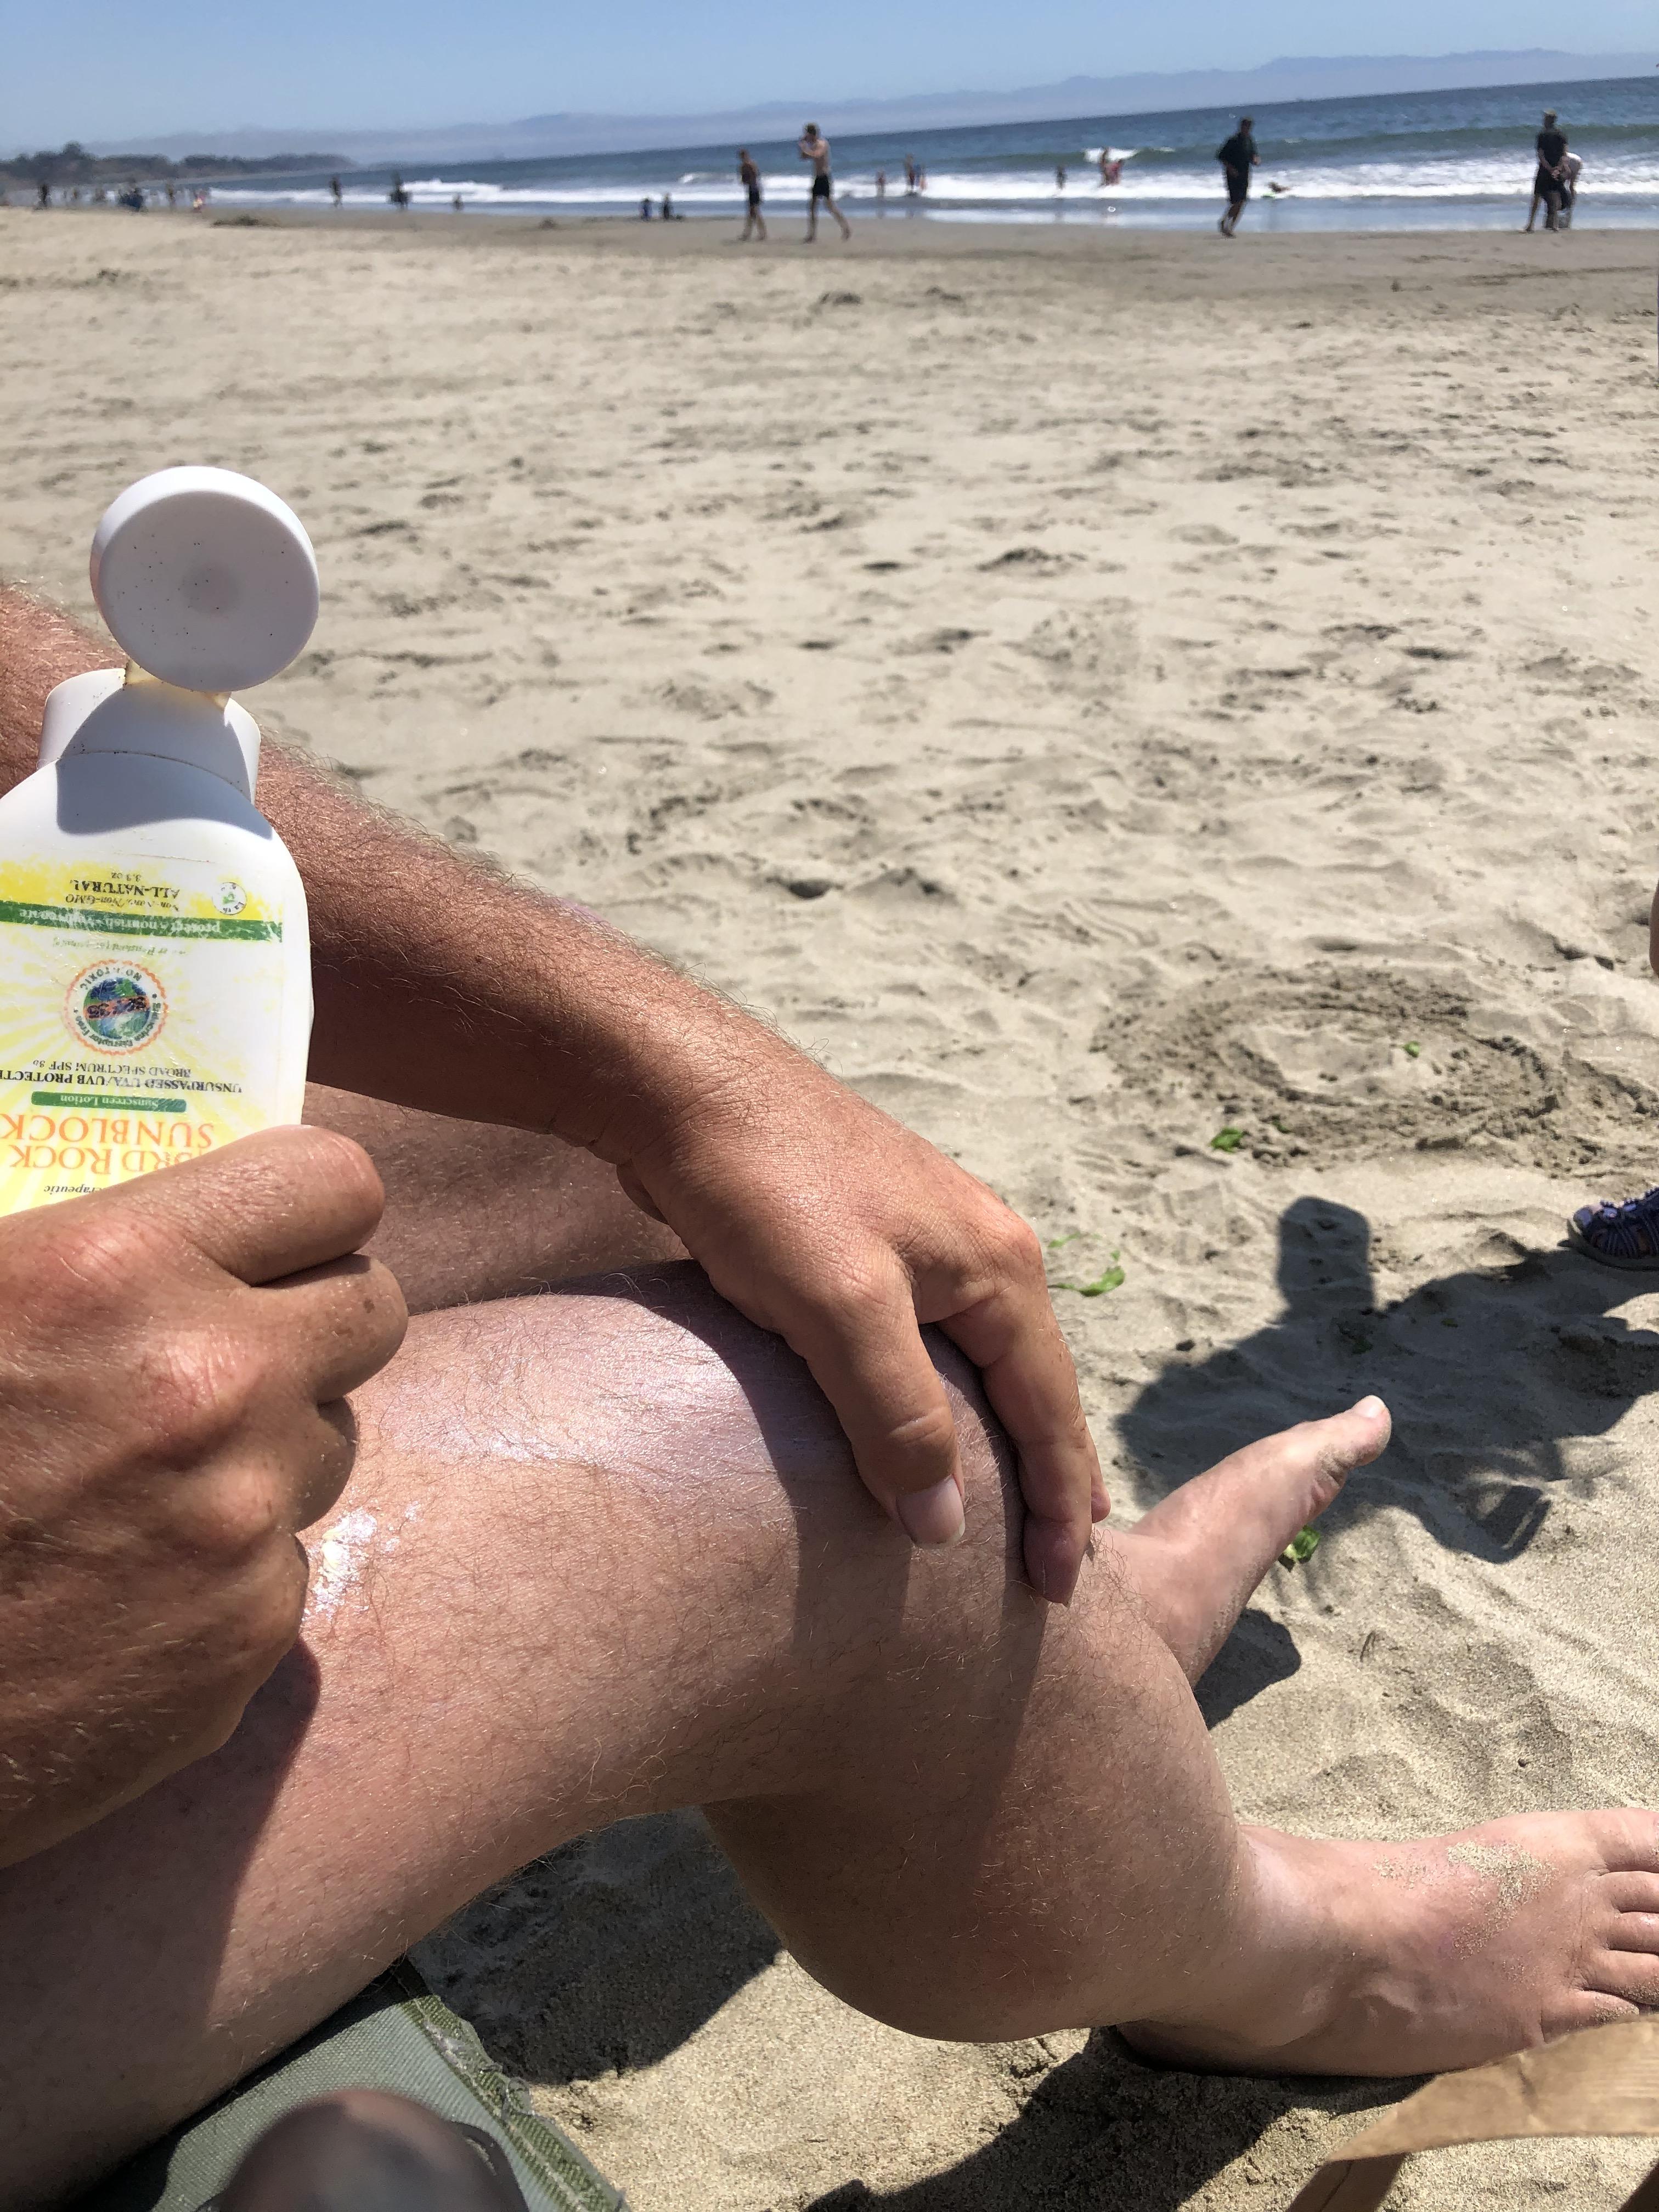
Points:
[(1592, 2008), (1629, 1845), (1635, 1895), (1350, 1440), (1315, 1459), (1635, 1931), (1632, 1975)]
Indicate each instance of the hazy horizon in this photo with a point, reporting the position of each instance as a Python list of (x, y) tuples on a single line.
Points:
[(1285, 77)]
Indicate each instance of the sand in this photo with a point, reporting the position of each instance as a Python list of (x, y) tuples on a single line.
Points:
[(1097, 690)]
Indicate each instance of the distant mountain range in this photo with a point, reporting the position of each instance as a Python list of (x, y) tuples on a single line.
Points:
[(538, 136)]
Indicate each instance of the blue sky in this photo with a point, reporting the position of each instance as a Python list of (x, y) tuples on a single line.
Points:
[(120, 69)]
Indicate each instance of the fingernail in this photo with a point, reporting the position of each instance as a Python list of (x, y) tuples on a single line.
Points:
[(934, 1517), (1372, 1408)]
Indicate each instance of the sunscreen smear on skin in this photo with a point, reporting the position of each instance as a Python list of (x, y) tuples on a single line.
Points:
[(155, 953)]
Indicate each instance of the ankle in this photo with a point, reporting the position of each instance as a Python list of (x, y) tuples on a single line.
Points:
[(1290, 1965)]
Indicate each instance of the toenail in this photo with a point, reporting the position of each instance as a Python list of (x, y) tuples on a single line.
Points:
[(1371, 1408)]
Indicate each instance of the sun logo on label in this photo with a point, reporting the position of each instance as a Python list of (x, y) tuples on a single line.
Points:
[(116, 1006), (230, 897)]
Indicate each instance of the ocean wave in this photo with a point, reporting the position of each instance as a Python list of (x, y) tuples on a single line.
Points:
[(1626, 176)]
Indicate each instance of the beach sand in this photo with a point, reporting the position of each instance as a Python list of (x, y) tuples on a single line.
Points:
[(1097, 690)]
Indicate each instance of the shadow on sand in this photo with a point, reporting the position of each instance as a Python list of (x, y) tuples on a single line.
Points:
[(1488, 1373), (1104, 2133)]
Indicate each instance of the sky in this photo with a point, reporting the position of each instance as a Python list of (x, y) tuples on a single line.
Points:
[(385, 64)]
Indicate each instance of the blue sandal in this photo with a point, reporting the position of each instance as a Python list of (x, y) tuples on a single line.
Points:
[(1625, 1236)]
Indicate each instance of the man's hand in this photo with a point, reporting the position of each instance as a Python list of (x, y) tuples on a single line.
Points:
[(174, 1357), (823, 1219), (812, 1212)]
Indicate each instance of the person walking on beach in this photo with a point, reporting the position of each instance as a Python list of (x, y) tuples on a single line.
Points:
[(1551, 145), (1237, 158), (754, 222), (334, 188), (910, 172), (813, 147), (1059, 176)]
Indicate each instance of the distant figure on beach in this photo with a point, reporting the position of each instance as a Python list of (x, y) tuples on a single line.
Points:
[(910, 172), (814, 147), (645, 208), (754, 222), (881, 184), (1571, 169), (173, 197), (457, 205), (398, 195), (43, 194), (1059, 176), (1237, 158), (198, 199), (668, 207), (1551, 145), (922, 178), (1111, 171), (334, 188)]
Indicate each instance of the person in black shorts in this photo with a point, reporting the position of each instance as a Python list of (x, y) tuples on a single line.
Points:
[(813, 147), (1237, 158), (1552, 164), (754, 223)]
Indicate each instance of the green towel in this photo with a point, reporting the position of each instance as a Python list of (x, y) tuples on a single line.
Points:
[(397, 2035)]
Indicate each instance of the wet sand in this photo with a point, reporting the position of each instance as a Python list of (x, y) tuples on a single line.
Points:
[(1098, 691)]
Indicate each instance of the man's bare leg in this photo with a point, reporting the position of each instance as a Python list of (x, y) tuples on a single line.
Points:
[(604, 1553), (476, 1211)]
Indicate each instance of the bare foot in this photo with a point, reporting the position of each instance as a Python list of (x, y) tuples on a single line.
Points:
[(1195, 1558), (1411, 1958)]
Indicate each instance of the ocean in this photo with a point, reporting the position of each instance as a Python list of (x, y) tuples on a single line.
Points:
[(1457, 160)]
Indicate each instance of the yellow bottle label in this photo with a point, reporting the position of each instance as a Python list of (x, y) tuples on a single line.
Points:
[(140, 1020)]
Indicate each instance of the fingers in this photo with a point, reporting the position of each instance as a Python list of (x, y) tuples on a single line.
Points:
[(867, 1357), (1013, 1339), (337, 1454), (338, 1324), (267, 1207)]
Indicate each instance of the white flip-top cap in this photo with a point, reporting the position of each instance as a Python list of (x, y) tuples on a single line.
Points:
[(206, 579)]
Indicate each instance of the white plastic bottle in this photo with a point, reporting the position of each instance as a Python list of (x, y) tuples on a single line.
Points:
[(155, 954)]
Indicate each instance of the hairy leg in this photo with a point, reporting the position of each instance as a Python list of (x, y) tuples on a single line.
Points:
[(604, 1554), (476, 1211)]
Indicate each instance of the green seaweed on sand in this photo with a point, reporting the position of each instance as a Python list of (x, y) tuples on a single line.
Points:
[(1302, 1546), (1411, 1051), (1070, 1237), (1108, 1280), (1226, 1141)]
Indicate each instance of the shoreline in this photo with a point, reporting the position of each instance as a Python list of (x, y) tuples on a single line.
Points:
[(1593, 249), (1266, 218)]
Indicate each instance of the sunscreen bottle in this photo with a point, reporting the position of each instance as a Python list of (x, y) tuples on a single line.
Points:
[(154, 955)]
